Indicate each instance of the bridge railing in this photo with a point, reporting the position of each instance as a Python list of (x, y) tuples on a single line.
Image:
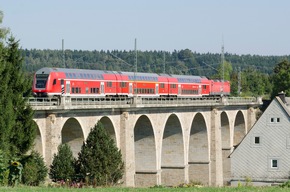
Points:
[(33, 101), (129, 102), (180, 101), (97, 101)]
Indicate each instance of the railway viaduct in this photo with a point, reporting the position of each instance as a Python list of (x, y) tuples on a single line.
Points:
[(163, 142)]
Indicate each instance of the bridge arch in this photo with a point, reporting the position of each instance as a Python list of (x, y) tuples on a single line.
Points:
[(172, 152), (226, 144), (72, 134), (38, 141), (239, 128), (144, 143), (198, 154), (110, 128)]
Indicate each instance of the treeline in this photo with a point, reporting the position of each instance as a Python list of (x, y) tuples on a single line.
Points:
[(250, 75)]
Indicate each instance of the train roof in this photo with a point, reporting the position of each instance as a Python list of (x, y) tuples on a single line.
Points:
[(132, 75)]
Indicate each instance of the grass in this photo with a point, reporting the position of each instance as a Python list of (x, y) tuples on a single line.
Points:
[(158, 189)]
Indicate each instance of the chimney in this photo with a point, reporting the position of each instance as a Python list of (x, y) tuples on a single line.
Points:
[(282, 96)]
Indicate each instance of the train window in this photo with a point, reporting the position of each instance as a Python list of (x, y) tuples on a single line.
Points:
[(204, 87), (40, 83), (73, 90), (162, 85), (172, 85), (123, 84), (54, 82), (109, 84), (87, 90)]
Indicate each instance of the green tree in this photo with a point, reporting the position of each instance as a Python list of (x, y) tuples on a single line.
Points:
[(62, 167), (281, 78), (34, 169), (100, 159), (23, 130), (17, 129)]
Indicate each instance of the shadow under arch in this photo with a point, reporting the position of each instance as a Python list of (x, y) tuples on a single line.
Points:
[(198, 154), (37, 144), (109, 127), (239, 128), (172, 153), (145, 152), (72, 134), (226, 146)]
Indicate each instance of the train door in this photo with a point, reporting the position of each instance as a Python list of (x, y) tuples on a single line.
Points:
[(179, 89), (67, 88), (102, 89), (130, 89), (157, 89), (62, 87)]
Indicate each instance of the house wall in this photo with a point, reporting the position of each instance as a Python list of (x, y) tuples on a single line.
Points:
[(252, 161)]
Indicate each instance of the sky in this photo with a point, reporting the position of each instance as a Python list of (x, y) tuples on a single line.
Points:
[(256, 27)]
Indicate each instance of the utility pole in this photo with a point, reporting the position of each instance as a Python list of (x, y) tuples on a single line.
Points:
[(135, 55), (63, 55), (239, 81), (223, 68), (164, 62)]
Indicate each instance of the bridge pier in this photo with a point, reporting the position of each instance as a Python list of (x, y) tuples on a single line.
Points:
[(216, 165), (53, 137), (127, 148)]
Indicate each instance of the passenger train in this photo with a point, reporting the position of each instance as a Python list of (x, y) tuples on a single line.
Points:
[(57, 82)]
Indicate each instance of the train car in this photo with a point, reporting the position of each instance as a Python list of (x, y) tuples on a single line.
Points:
[(56, 82), (220, 88)]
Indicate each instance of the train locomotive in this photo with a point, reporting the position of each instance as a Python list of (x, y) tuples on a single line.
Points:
[(57, 82)]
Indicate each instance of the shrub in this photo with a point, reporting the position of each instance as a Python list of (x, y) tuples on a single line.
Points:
[(34, 169), (100, 161), (62, 167), (4, 171)]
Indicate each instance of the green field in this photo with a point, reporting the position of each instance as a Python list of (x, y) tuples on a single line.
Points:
[(117, 189)]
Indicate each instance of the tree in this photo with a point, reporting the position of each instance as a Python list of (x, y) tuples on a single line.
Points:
[(281, 78), (17, 129), (34, 169), (62, 167), (23, 130), (100, 159)]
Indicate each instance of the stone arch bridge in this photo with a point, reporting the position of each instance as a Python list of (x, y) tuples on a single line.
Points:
[(162, 142)]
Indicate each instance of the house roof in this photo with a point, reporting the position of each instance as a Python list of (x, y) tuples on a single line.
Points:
[(285, 106)]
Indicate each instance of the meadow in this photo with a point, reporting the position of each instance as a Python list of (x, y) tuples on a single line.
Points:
[(156, 189)]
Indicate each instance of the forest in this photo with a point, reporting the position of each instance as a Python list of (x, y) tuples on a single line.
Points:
[(250, 75)]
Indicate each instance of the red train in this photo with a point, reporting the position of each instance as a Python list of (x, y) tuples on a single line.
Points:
[(50, 82)]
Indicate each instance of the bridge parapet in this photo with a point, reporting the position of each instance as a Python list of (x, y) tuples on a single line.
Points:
[(137, 102)]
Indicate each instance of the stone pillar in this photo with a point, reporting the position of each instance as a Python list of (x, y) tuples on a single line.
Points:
[(53, 137), (251, 116), (127, 149), (216, 165)]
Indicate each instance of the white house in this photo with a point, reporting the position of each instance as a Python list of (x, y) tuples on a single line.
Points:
[(263, 156)]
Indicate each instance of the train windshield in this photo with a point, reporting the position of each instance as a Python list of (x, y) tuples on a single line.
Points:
[(41, 80)]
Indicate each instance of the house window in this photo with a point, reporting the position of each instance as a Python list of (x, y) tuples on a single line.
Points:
[(274, 163), (275, 120), (257, 140)]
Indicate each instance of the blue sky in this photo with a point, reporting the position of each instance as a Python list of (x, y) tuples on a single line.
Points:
[(246, 26)]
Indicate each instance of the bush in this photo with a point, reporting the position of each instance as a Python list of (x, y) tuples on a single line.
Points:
[(34, 169), (100, 161), (4, 171), (62, 167)]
